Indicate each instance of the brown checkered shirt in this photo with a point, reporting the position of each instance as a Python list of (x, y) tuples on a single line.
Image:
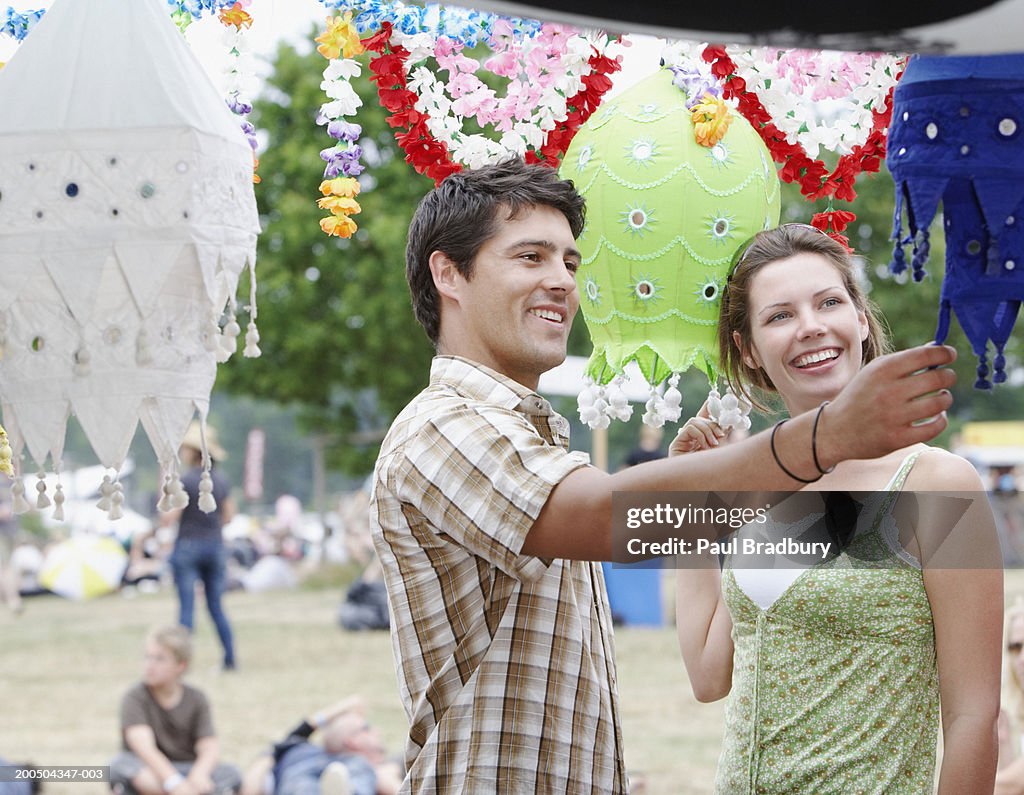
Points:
[(505, 661)]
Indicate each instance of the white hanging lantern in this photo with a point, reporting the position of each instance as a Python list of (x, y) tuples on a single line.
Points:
[(127, 215)]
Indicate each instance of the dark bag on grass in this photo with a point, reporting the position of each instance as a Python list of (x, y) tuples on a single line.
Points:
[(365, 606)]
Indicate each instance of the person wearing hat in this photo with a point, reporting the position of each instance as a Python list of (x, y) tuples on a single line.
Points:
[(199, 552)]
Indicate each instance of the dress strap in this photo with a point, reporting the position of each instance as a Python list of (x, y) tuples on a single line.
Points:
[(891, 492), (897, 480)]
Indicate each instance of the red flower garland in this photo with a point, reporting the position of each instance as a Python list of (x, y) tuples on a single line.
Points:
[(431, 157), (797, 166), (422, 151)]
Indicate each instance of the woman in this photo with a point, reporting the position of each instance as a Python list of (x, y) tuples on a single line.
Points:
[(199, 553), (834, 674)]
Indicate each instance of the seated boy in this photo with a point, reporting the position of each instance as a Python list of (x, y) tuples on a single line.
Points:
[(167, 732)]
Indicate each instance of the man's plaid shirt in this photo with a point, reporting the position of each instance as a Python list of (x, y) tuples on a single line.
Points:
[(505, 661)]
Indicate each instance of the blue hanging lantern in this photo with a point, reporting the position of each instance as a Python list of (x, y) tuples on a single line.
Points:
[(956, 138)]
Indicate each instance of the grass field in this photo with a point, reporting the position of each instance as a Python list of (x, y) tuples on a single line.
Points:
[(64, 666)]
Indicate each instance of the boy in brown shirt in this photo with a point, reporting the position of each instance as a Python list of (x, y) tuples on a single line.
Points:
[(167, 732)]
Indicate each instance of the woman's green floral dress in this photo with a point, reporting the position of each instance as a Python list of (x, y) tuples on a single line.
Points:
[(835, 687)]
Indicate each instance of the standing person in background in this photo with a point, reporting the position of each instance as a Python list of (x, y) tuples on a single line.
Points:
[(648, 447), (199, 552)]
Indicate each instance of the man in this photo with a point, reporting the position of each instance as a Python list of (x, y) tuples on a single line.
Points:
[(167, 732), (350, 760), (487, 526)]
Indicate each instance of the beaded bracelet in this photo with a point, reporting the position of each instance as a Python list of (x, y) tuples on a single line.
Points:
[(778, 461), (814, 442)]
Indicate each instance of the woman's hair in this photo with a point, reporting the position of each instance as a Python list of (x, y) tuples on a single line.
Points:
[(767, 247), (1013, 688), (176, 639)]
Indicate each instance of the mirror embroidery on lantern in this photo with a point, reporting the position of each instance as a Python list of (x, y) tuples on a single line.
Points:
[(719, 156), (720, 227), (584, 157), (708, 292), (646, 289), (638, 219), (647, 111), (642, 152), (605, 112)]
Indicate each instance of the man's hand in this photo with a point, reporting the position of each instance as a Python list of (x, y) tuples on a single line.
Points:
[(895, 401)]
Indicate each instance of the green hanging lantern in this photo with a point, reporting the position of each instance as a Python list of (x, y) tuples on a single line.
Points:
[(665, 216)]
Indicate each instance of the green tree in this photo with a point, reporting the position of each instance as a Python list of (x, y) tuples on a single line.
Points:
[(339, 339)]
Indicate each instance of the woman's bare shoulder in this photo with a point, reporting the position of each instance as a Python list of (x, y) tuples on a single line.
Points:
[(940, 470)]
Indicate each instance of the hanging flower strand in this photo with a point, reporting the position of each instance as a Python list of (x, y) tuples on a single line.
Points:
[(185, 12), (564, 76), (18, 24), (238, 74), (422, 151), (711, 120), (604, 60), (6, 454), (815, 179), (464, 25), (340, 44)]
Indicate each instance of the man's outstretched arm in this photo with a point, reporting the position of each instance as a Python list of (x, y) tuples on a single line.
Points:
[(895, 401)]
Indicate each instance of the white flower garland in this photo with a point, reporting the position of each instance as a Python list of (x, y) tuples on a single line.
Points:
[(555, 61), (818, 99)]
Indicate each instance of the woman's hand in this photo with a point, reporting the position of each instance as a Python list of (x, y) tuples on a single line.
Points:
[(699, 433)]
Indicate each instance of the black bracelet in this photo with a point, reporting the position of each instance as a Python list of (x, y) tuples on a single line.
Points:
[(778, 461), (814, 441)]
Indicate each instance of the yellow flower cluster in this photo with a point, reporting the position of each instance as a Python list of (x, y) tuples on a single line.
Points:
[(711, 120), (339, 197), (235, 15), (341, 39), (5, 455)]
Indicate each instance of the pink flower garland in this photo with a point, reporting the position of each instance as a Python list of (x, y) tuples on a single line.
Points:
[(537, 73), (816, 182)]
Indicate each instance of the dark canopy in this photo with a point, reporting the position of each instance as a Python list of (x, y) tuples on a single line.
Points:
[(940, 26)]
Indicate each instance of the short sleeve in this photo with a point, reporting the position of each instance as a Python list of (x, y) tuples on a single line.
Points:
[(221, 489), (481, 475), (203, 721), (133, 711)]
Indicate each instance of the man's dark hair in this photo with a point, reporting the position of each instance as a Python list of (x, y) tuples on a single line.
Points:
[(464, 212)]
